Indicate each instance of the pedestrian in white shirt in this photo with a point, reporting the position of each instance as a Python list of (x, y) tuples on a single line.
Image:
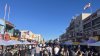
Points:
[(56, 50), (49, 49)]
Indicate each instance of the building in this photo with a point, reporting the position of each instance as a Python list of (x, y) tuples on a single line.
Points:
[(75, 30), (6, 29), (9, 30), (28, 35), (16, 34), (38, 38), (78, 34), (63, 37), (91, 26)]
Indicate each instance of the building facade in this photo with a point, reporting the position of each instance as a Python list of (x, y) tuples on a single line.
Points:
[(6, 29), (79, 25), (28, 35), (75, 29), (38, 38), (91, 26), (2, 26)]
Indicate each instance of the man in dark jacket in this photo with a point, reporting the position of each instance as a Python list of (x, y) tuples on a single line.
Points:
[(8, 53), (22, 52)]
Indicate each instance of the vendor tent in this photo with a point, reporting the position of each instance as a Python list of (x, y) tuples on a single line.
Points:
[(68, 42), (95, 44), (88, 42), (26, 42), (13, 42), (3, 42)]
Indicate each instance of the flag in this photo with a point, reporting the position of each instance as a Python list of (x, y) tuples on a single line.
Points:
[(5, 11), (87, 6)]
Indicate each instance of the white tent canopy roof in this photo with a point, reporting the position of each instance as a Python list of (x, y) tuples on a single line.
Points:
[(3, 42), (95, 44)]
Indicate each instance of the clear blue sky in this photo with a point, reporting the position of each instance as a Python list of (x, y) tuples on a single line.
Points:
[(47, 17)]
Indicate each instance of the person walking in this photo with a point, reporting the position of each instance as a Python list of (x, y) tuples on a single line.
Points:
[(62, 52), (8, 53), (49, 49), (22, 52), (37, 50), (56, 51), (33, 51), (79, 53), (1, 53), (66, 52), (45, 52)]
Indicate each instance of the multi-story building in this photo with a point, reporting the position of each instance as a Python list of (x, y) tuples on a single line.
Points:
[(91, 25), (79, 25), (62, 37), (75, 29)]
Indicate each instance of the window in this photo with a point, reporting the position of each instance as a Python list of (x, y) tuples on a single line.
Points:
[(96, 21), (95, 15), (87, 25)]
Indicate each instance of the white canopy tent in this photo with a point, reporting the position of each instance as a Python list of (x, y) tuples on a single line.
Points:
[(26, 42), (95, 44), (68, 42), (12, 42), (3, 42)]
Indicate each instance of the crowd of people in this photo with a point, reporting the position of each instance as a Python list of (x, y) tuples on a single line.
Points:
[(50, 50)]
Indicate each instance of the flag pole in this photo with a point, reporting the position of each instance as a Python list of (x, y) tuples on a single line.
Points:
[(8, 13), (91, 6), (5, 9), (90, 9)]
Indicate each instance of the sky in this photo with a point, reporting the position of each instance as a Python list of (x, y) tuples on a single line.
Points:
[(50, 18)]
